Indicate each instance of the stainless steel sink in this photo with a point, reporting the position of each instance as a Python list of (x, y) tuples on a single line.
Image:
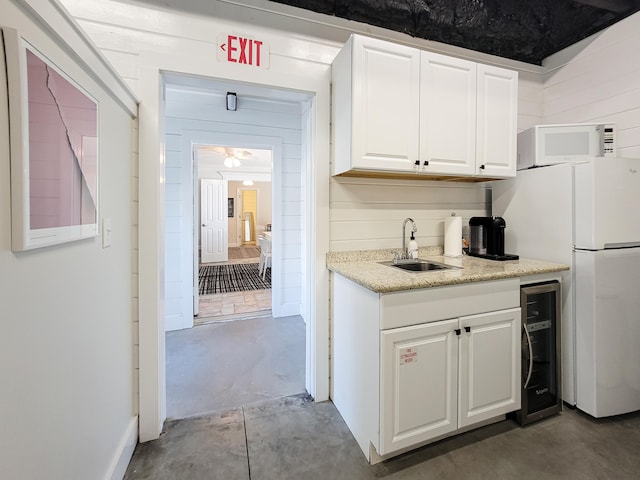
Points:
[(418, 265)]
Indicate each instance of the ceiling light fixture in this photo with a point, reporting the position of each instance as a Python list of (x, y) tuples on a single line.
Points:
[(231, 161), (247, 183)]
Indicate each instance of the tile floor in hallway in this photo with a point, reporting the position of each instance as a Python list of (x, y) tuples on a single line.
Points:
[(233, 304), (296, 438)]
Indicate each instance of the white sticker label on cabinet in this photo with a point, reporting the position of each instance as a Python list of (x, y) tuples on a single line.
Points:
[(408, 355)]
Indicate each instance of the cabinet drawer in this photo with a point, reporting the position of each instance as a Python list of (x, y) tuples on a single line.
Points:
[(401, 309)]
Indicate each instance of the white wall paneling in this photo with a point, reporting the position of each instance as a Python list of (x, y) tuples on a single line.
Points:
[(178, 227), (135, 135), (530, 93), (598, 80), (368, 213), (67, 348)]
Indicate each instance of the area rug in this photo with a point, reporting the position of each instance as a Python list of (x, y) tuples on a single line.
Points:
[(231, 278)]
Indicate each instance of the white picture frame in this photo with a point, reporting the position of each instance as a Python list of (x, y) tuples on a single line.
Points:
[(54, 150)]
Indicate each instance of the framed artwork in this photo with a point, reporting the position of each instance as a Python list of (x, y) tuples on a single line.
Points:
[(54, 150), (230, 207)]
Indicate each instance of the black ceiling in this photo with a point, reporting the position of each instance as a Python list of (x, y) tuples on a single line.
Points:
[(525, 30)]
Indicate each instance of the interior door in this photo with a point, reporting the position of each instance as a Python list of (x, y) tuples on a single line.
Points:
[(214, 240)]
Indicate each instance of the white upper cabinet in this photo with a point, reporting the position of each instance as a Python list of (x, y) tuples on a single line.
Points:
[(447, 115), (497, 126), (401, 110), (375, 106)]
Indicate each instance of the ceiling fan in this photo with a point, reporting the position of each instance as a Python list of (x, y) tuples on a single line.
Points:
[(232, 155)]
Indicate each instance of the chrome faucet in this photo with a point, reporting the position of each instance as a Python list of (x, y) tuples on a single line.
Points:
[(405, 255)]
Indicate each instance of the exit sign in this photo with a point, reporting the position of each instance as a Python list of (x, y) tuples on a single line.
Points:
[(243, 50)]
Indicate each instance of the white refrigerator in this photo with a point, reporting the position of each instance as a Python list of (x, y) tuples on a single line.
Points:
[(586, 215)]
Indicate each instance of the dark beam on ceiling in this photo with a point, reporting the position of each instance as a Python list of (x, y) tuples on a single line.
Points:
[(525, 30), (616, 6)]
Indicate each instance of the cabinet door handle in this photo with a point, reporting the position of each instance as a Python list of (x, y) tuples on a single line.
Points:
[(417, 163), (526, 332), (426, 162), (458, 331), (467, 329), (481, 167)]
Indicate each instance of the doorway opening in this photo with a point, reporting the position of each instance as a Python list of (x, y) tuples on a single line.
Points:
[(249, 212), (239, 371), (234, 277)]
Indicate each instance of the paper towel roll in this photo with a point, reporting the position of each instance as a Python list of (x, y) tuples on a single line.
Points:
[(453, 237)]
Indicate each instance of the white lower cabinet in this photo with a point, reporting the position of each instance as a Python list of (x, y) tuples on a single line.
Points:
[(419, 380), (489, 368), (441, 376), (403, 374)]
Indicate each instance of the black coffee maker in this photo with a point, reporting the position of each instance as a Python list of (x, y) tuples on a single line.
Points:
[(486, 235)]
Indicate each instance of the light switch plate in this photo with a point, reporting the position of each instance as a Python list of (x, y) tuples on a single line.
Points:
[(106, 232)]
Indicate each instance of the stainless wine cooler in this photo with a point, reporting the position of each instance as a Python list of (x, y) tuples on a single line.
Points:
[(541, 383)]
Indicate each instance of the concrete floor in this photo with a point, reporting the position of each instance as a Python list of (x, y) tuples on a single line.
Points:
[(294, 438), (241, 372), (218, 366)]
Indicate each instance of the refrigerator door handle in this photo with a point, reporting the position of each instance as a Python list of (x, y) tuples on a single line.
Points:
[(526, 332)]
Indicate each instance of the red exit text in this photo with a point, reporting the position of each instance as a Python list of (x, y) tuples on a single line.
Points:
[(243, 50)]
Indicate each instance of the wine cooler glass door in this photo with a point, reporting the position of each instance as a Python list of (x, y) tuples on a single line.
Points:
[(540, 351)]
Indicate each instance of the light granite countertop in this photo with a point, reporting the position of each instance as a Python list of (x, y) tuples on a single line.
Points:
[(363, 268)]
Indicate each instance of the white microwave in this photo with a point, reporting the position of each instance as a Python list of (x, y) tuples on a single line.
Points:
[(550, 144)]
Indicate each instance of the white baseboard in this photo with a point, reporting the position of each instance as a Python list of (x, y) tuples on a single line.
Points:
[(177, 322), (285, 310), (123, 455)]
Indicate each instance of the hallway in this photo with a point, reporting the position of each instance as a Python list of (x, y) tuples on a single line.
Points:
[(225, 365)]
